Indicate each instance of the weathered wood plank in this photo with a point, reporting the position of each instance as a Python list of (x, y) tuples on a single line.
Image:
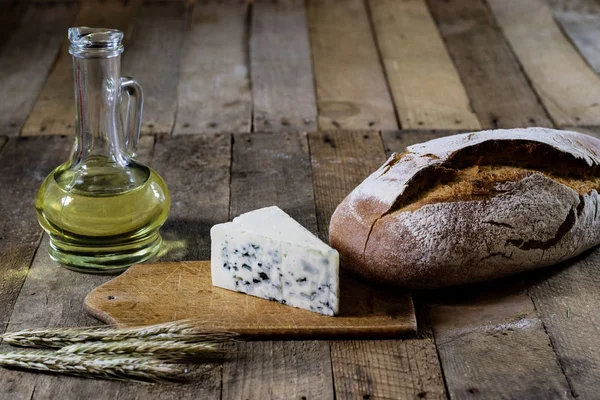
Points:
[(26, 59), (11, 12), (492, 344), (425, 85), (278, 370), (214, 91), (480, 331), (54, 111), (352, 92), (566, 299), (566, 85), (499, 91), (392, 369), (196, 170), (283, 91), (594, 131), (24, 163), (269, 172), (580, 20), (152, 58), (387, 369)]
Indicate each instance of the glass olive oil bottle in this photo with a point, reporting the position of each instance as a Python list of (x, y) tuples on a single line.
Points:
[(103, 208)]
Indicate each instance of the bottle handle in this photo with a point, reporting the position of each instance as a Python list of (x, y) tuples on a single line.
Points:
[(132, 124)]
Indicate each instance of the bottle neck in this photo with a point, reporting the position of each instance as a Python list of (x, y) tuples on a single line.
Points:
[(97, 97)]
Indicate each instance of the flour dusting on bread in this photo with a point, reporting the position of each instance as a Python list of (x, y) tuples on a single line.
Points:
[(471, 207)]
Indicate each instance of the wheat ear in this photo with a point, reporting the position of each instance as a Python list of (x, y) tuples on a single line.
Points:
[(161, 349), (184, 331), (107, 367)]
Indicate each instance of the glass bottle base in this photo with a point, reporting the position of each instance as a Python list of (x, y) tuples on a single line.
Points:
[(108, 259)]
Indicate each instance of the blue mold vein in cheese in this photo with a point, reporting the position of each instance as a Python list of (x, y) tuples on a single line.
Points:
[(265, 253)]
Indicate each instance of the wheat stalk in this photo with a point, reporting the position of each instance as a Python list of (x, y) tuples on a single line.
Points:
[(183, 331), (107, 367), (162, 349)]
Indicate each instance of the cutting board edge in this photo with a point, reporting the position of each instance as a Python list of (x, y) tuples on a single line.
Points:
[(406, 329), (328, 334), (96, 312), (367, 332)]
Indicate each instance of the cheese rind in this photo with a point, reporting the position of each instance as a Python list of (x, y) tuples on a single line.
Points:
[(265, 253)]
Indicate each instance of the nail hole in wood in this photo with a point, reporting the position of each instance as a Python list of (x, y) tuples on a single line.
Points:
[(327, 139), (111, 297)]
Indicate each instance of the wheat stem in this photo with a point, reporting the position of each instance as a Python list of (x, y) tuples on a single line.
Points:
[(183, 331), (107, 367), (163, 349)]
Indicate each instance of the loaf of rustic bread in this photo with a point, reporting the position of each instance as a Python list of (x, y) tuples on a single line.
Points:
[(472, 207)]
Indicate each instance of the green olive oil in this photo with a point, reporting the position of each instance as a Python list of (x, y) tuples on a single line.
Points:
[(102, 217)]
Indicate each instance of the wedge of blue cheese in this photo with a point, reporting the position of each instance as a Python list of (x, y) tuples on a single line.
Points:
[(266, 253)]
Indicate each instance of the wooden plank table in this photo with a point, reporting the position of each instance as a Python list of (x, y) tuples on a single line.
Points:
[(320, 92)]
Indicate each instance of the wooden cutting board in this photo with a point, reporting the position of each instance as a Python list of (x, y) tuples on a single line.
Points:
[(153, 293)]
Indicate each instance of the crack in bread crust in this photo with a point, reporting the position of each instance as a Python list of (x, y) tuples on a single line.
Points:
[(472, 173), (479, 183), (514, 159)]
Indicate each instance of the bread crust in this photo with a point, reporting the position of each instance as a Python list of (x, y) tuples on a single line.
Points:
[(520, 225)]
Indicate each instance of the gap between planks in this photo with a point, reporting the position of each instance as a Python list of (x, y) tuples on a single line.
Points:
[(425, 85), (153, 58), (26, 59), (500, 93), (545, 54), (580, 20), (214, 88), (481, 329), (566, 300), (54, 110), (283, 93), (352, 92), (390, 369), (275, 170)]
